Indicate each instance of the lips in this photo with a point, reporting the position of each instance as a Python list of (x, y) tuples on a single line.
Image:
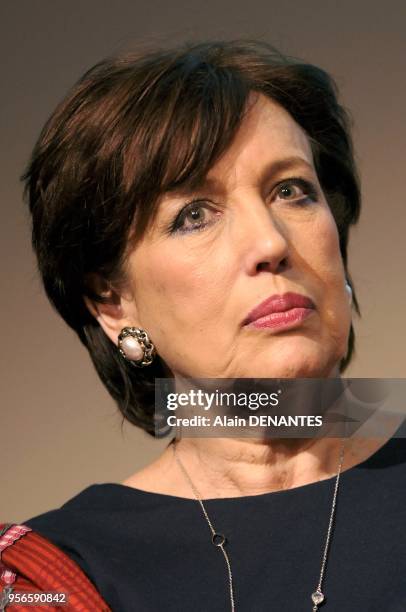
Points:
[(279, 303)]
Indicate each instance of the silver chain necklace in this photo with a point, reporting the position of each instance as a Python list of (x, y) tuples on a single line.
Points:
[(219, 540)]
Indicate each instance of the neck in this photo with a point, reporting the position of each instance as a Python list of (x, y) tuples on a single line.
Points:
[(223, 467), (235, 467), (228, 467)]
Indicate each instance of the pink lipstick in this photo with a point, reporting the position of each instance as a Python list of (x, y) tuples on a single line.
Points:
[(280, 311)]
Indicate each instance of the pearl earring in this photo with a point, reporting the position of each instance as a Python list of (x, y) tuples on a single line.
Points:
[(349, 291), (136, 347)]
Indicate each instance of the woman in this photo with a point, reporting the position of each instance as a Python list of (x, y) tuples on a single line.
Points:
[(181, 201)]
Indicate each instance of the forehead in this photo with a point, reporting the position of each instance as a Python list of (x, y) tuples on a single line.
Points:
[(267, 142), (267, 135)]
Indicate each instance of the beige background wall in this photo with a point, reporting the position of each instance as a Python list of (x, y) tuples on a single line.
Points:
[(59, 429)]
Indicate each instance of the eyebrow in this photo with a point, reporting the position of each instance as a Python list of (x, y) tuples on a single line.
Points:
[(286, 163), (268, 173)]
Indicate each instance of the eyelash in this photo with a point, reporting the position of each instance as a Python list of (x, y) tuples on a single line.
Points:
[(308, 189)]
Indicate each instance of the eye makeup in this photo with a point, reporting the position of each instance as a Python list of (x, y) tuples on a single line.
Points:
[(310, 194)]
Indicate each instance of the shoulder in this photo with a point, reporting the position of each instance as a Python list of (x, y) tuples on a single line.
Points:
[(98, 522), (65, 548), (84, 522), (104, 530)]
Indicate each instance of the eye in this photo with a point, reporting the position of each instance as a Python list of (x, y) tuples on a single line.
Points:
[(193, 217), (294, 189)]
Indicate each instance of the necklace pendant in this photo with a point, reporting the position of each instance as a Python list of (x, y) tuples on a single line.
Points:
[(218, 539), (317, 599)]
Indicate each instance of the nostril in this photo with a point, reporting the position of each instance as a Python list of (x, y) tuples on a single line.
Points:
[(283, 264), (263, 265), (266, 265)]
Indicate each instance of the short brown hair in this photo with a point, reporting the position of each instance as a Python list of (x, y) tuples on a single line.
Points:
[(138, 125)]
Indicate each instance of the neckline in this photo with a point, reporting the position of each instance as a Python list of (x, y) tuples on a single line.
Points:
[(267, 495)]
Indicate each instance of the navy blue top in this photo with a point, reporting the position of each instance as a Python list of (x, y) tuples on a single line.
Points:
[(153, 552)]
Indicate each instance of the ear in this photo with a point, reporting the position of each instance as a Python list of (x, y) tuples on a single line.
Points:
[(115, 310)]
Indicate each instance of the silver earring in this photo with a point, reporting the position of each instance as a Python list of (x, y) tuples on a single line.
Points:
[(136, 347), (349, 291)]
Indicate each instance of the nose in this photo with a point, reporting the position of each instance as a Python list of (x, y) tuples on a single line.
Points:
[(264, 240)]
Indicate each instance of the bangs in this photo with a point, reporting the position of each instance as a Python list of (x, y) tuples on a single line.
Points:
[(188, 120)]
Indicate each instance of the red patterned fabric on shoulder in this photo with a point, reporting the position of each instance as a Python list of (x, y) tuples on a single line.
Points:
[(35, 571)]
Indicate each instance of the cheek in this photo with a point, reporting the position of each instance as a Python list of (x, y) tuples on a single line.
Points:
[(324, 252), (329, 268), (175, 294)]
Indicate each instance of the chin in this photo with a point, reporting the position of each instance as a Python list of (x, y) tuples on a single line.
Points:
[(298, 360)]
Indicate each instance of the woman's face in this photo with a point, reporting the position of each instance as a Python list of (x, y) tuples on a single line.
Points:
[(261, 226)]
